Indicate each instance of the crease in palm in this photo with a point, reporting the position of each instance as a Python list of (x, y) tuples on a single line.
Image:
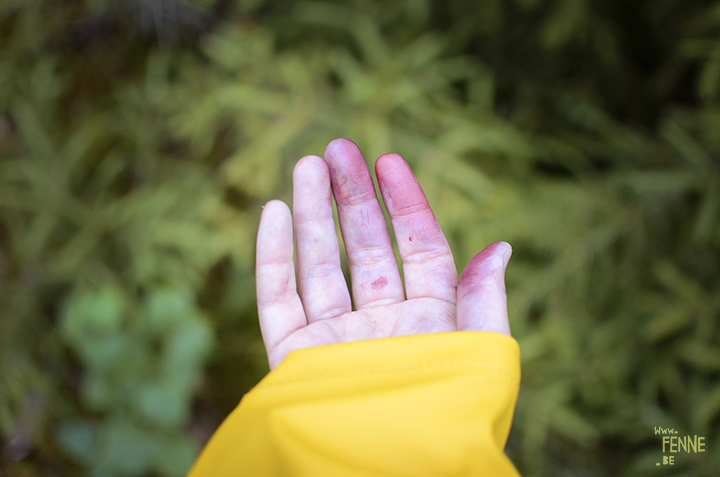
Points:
[(310, 305)]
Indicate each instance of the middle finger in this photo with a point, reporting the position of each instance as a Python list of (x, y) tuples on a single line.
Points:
[(373, 268)]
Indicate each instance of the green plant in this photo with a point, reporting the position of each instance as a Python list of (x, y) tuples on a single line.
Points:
[(135, 161), (141, 368)]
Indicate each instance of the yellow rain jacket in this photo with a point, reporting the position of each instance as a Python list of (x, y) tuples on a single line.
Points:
[(423, 405)]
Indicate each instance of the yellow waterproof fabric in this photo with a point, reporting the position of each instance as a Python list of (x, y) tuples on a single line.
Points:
[(423, 405)]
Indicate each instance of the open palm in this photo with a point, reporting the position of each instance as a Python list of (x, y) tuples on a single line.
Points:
[(315, 309)]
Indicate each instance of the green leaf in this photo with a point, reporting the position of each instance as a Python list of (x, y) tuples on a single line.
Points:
[(163, 403), (708, 410), (168, 306), (126, 448), (79, 439), (176, 456), (700, 355), (94, 314)]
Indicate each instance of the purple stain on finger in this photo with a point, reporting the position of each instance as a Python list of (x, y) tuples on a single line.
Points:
[(379, 283)]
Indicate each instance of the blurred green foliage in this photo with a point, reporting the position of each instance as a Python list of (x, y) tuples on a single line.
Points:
[(142, 374), (138, 140)]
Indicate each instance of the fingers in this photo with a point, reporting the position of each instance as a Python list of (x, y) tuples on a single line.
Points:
[(279, 307), (321, 282), (482, 301), (373, 268), (427, 260)]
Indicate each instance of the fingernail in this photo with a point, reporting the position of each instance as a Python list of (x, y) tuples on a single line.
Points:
[(507, 255)]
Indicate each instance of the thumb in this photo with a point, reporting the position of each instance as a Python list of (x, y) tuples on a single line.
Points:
[(481, 297)]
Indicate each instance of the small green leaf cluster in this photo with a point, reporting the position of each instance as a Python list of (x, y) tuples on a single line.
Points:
[(141, 368)]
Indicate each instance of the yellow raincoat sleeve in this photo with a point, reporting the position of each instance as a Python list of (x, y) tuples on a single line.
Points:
[(423, 405)]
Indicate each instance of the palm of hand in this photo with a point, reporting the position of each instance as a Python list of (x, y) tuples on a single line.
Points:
[(422, 315), (316, 308)]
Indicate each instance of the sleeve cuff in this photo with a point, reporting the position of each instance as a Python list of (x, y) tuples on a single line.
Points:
[(435, 404)]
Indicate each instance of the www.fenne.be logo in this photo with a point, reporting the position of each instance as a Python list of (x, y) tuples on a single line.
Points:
[(673, 444)]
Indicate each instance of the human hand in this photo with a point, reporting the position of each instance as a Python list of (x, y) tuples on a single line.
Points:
[(318, 310)]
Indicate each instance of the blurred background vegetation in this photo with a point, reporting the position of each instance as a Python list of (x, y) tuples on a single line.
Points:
[(139, 138)]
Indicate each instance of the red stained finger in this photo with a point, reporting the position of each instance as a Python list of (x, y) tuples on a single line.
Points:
[(373, 267), (321, 282), (279, 307), (427, 260), (482, 301)]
